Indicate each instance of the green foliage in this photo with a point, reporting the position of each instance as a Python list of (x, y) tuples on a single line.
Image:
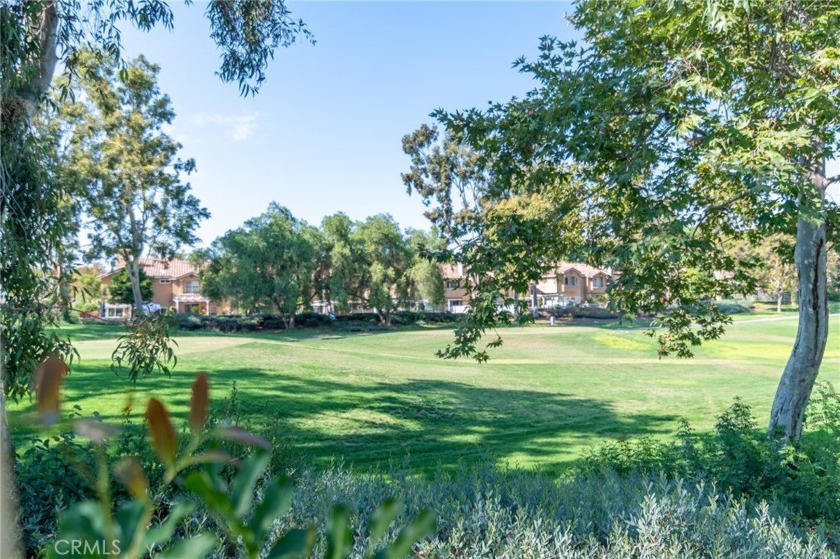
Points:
[(733, 307), (121, 291), (134, 194), (803, 479), (252, 323), (265, 265), (667, 131), (387, 259), (34, 206), (53, 472), (125, 530), (34, 226), (146, 347)]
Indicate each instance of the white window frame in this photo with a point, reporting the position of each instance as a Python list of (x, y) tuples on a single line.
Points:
[(188, 287), (598, 282), (165, 280)]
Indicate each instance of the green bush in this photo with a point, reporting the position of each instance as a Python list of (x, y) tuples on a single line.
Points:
[(48, 481), (738, 456), (597, 313), (484, 512), (267, 321), (733, 307)]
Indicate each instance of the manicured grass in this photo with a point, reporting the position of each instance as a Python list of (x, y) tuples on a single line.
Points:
[(546, 396)]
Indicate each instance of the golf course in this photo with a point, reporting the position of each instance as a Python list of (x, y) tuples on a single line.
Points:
[(370, 399)]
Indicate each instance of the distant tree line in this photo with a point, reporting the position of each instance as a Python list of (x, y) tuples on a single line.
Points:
[(280, 264)]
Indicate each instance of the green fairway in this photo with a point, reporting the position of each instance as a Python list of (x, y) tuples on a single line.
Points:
[(545, 396)]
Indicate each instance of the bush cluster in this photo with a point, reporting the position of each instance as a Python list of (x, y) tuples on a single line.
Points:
[(733, 307), (593, 312), (250, 323), (484, 512), (802, 479)]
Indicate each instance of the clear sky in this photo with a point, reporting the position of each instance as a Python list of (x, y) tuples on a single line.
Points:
[(324, 133)]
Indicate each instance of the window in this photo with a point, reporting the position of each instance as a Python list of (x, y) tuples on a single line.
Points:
[(214, 310), (165, 281), (570, 280), (598, 282), (114, 312), (453, 284), (191, 287), (454, 302)]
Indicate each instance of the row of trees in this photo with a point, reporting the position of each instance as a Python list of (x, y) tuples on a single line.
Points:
[(278, 263)]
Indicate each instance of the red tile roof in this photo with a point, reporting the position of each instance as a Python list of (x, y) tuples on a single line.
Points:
[(171, 268)]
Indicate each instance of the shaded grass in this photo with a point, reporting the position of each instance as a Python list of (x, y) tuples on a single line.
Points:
[(369, 398)]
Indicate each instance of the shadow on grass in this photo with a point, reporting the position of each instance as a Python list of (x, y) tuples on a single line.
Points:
[(421, 424)]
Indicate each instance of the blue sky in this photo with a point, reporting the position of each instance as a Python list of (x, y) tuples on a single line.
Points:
[(324, 133)]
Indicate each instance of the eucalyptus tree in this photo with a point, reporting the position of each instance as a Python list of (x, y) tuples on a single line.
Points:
[(37, 36), (267, 264), (670, 129), (134, 195)]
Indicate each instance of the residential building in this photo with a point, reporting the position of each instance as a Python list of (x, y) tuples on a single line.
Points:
[(568, 283), (455, 287), (571, 283), (175, 285)]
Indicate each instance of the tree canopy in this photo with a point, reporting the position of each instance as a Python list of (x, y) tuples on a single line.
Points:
[(265, 265), (132, 193), (670, 128), (121, 289)]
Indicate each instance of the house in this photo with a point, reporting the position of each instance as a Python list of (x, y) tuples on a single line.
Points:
[(175, 285), (455, 287), (571, 283), (568, 283)]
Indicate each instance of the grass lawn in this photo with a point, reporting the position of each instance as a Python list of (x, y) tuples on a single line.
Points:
[(547, 395)]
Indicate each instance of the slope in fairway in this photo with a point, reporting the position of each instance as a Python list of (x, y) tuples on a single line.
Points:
[(545, 396)]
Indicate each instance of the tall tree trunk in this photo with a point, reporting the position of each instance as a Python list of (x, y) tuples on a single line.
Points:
[(803, 365), (9, 535), (64, 289), (779, 297), (33, 91), (30, 91), (134, 276)]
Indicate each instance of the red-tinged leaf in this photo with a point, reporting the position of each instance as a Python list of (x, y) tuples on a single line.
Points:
[(245, 437), (164, 438), (131, 475), (198, 403), (48, 388), (94, 430)]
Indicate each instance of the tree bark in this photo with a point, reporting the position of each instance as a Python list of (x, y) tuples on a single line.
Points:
[(64, 290), (798, 379), (779, 301), (32, 92), (134, 276)]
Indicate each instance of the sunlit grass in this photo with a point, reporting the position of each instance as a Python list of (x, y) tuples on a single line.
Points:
[(545, 397)]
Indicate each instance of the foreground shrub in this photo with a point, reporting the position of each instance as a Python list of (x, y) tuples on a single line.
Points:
[(803, 479), (483, 512)]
